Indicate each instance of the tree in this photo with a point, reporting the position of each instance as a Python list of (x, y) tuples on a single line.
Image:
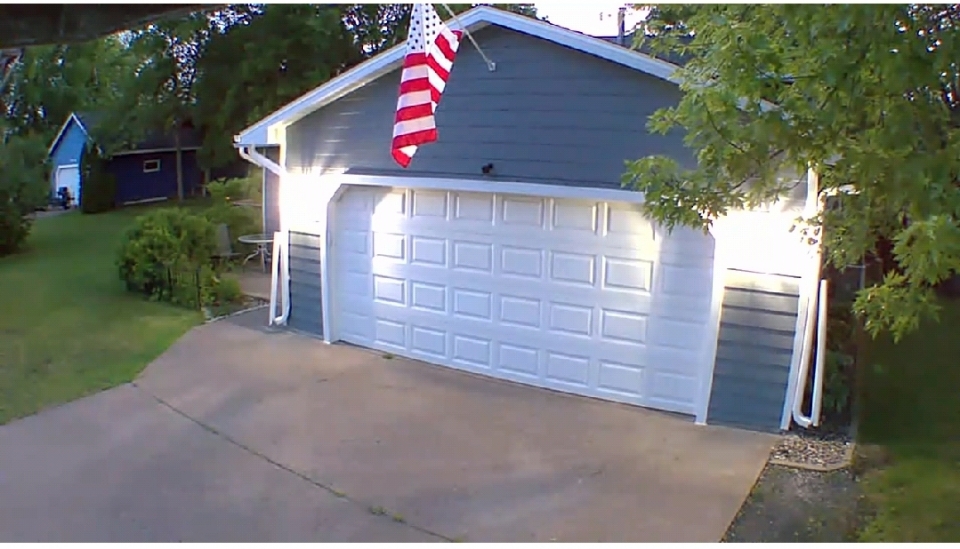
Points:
[(378, 27), (276, 52), (50, 82), (865, 95), (23, 187), (271, 56), (162, 97)]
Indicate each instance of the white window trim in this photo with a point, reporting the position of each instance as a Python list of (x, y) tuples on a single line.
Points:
[(151, 170)]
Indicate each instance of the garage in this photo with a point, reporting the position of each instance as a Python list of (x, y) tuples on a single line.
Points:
[(585, 297), (511, 247)]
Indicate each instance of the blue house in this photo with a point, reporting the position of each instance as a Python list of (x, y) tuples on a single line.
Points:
[(144, 172)]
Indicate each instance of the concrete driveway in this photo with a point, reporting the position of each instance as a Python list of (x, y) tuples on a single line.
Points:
[(238, 433)]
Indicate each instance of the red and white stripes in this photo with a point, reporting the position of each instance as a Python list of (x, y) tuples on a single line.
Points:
[(431, 50)]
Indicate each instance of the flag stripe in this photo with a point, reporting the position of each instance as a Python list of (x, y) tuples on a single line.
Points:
[(414, 98), (415, 138), (414, 112), (415, 125), (415, 85), (431, 50)]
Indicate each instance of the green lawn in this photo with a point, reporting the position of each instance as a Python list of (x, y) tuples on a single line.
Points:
[(911, 408), (68, 328)]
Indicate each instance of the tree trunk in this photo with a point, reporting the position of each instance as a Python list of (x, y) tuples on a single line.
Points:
[(206, 180), (178, 146)]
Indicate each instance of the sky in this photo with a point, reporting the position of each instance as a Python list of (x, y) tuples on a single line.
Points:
[(595, 17)]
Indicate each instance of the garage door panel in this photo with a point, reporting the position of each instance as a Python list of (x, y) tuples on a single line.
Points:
[(569, 295), (489, 330)]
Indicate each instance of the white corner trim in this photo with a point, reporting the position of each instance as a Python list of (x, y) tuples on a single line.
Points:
[(711, 343), (63, 128), (487, 186), (476, 18), (327, 275)]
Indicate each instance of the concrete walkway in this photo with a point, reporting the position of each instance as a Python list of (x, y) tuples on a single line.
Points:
[(239, 433)]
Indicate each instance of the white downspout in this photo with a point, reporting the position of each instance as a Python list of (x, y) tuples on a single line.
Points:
[(281, 256), (280, 271), (820, 363), (816, 319)]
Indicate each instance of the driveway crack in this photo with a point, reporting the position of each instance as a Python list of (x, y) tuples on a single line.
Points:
[(333, 491)]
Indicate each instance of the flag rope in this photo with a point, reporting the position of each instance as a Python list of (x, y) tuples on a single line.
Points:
[(490, 64)]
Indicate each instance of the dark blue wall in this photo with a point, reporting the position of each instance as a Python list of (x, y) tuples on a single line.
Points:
[(133, 184)]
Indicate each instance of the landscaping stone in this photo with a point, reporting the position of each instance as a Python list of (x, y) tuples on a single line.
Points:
[(811, 450)]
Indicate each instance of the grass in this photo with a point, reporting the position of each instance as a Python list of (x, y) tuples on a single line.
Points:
[(68, 327), (910, 408)]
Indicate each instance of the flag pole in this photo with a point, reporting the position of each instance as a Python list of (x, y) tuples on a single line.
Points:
[(490, 64)]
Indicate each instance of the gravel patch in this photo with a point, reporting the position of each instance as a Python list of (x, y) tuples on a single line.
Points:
[(248, 303), (818, 451)]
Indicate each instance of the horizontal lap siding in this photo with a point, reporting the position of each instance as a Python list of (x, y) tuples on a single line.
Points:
[(754, 351), (548, 113), (305, 296)]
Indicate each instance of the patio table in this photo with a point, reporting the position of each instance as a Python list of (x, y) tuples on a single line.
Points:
[(263, 243)]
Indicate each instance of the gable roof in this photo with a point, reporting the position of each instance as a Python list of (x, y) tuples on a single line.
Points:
[(153, 142), (669, 57), (262, 132), (72, 119)]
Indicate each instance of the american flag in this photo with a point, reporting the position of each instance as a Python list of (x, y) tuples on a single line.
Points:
[(431, 49)]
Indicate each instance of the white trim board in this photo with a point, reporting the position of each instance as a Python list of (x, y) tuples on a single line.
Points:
[(260, 133), (153, 151), (485, 186)]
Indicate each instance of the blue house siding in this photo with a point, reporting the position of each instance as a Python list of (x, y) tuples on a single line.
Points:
[(305, 297), (755, 347), (547, 114), (133, 184), (68, 150)]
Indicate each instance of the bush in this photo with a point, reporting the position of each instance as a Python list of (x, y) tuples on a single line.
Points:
[(24, 188), (223, 290), (168, 255), (99, 189), (239, 220)]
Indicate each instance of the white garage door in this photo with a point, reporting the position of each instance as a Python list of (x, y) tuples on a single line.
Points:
[(69, 177), (578, 296)]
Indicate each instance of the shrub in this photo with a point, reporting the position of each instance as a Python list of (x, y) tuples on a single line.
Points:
[(222, 290), (99, 189), (168, 255), (239, 220), (24, 188)]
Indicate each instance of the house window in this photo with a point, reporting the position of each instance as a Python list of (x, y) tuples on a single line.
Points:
[(150, 166)]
